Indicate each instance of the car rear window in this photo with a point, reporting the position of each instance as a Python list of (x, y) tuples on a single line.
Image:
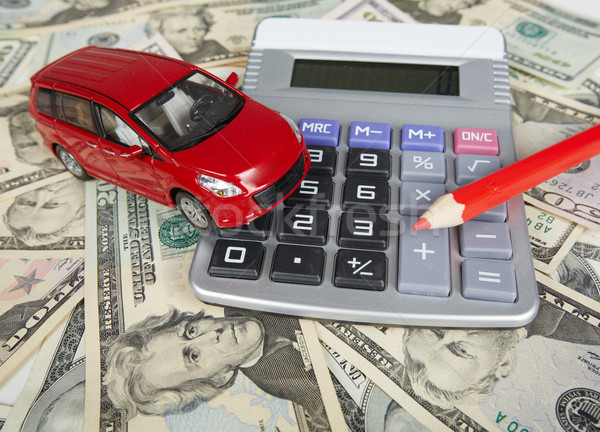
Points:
[(43, 101)]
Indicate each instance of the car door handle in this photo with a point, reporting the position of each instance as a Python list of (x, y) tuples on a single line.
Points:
[(112, 153), (91, 144)]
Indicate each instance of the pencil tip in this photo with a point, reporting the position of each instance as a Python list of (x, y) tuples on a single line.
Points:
[(421, 224)]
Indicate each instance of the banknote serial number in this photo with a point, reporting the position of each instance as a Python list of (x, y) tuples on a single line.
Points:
[(565, 187)]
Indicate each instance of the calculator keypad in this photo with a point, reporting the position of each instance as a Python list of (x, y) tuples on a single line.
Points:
[(346, 228)]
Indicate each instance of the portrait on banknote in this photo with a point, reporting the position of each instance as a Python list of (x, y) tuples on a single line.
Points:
[(185, 28), (173, 362), (26, 141), (44, 217), (446, 367), (579, 269), (25, 162), (435, 11), (60, 409)]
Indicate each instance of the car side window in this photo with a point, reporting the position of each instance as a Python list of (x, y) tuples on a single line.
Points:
[(74, 110), (43, 101), (118, 131)]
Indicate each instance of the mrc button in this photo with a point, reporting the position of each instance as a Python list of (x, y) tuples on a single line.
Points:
[(476, 141), (320, 132)]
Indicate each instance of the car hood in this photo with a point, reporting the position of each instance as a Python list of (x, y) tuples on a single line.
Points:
[(255, 149)]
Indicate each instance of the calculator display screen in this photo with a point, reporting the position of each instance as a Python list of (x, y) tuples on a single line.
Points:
[(382, 77)]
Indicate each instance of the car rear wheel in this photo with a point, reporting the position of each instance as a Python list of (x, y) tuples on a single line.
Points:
[(71, 164), (192, 209)]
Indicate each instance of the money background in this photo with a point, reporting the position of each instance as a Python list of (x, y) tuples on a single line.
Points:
[(549, 376)]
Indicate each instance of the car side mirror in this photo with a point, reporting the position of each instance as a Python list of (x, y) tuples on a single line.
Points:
[(132, 152), (232, 79)]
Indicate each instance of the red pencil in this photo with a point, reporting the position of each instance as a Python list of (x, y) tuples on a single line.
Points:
[(481, 195)]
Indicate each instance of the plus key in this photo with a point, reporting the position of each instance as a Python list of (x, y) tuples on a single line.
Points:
[(424, 263)]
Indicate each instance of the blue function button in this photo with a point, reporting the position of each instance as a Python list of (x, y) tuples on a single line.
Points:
[(370, 135), (320, 132), (422, 138)]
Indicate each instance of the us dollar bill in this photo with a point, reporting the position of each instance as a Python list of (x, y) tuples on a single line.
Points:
[(222, 31), (49, 16), (386, 366), (4, 413), (47, 221), (551, 237), (488, 379), (365, 406), (54, 395), (541, 119), (579, 270), (15, 60), (25, 162), (592, 84), (36, 295), (223, 365), (550, 42), (368, 10), (587, 93)]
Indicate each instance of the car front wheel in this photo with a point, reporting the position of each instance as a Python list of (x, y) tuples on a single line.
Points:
[(193, 210), (71, 164)]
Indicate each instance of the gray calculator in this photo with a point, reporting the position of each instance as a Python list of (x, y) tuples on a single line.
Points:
[(394, 116)]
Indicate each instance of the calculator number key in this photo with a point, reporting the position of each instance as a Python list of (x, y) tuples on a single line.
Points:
[(374, 194), (368, 163), (360, 270), (236, 259), (304, 225), (322, 160), (314, 191), (363, 230)]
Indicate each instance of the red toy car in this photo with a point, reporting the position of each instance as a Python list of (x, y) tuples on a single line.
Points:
[(169, 131)]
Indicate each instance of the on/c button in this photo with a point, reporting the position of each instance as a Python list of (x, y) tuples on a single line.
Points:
[(476, 141)]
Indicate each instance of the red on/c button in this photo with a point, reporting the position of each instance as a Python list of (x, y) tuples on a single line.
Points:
[(476, 141)]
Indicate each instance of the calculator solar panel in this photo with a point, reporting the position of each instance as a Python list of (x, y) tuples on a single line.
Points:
[(341, 247)]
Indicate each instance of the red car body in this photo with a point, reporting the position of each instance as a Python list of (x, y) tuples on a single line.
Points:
[(257, 152)]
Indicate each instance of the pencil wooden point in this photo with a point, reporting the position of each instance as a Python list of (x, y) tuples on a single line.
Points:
[(444, 212)]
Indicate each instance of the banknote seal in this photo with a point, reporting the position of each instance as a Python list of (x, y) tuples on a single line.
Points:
[(177, 233)]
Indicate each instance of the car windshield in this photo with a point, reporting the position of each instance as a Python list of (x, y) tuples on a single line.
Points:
[(191, 111)]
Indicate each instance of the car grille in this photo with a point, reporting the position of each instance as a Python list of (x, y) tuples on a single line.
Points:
[(271, 195)]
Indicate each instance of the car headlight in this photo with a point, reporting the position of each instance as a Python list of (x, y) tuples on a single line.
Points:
[(293, 126), (219, 187)]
